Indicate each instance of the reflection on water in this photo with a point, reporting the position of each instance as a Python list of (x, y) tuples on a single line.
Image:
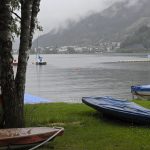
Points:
[(70, 77)]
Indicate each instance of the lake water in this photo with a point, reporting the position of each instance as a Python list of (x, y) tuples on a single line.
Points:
[(68, 78)]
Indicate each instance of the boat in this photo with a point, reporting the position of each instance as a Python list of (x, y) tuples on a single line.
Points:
[(141, 92), (15, 63), (118, 108), (40, 61), (19, 138)]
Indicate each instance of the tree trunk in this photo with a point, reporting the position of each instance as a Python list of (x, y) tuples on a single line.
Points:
[(12, 116), (13, 88), (20, 79), (30, 9)]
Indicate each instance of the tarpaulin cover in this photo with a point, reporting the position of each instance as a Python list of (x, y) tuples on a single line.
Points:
[(144, 88), (31, 99), (111, 104)]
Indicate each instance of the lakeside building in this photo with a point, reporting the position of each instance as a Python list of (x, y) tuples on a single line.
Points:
[(75, 49)]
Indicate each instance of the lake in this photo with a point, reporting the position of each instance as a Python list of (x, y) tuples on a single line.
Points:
[(68, 78)]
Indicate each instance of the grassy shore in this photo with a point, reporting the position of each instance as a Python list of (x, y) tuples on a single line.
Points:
[(87, 129)]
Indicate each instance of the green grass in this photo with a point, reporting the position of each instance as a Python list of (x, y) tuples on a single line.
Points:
[(86, 129)]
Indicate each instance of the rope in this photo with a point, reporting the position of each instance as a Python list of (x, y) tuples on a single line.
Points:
[(50, 138)]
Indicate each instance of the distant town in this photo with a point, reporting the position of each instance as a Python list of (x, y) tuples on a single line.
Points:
[(73, 49)]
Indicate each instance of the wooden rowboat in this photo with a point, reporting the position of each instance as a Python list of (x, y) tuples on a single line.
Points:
[(26, 137)]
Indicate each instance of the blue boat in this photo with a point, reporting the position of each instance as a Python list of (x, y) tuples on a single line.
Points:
[(121, 109), (141, 91)]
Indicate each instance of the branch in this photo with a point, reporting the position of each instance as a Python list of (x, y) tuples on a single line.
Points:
[(16, 15)]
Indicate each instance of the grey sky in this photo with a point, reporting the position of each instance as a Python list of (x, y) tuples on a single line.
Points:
[(56, 12)]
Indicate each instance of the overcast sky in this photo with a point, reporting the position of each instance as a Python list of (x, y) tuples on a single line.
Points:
[(56, 12)]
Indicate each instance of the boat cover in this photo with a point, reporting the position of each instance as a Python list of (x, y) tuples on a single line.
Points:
[(117, 105), (31, 99), (138, 88)]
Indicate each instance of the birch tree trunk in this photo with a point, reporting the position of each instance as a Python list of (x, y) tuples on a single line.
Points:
[(13, 88), (11, 106), (29, 11), (20, 80)]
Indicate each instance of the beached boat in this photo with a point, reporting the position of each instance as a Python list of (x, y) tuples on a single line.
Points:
[(27, 137), (141, 91), (122, 109)]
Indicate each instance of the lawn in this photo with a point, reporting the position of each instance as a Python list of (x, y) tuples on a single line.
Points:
[(87, 129)]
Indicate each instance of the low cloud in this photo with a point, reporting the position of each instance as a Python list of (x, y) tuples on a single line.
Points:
[(54, 13)]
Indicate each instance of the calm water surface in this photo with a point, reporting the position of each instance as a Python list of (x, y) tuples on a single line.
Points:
[(70, 77)]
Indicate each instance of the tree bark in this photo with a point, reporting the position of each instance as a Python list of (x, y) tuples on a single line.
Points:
[(29, 11), (10, 104), (20, 80), (13, 88)]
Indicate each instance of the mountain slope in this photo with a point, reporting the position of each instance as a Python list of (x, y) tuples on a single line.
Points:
[(113, 24), (141, 37)]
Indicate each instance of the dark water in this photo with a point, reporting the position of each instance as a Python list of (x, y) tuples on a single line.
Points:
[(70, 77)]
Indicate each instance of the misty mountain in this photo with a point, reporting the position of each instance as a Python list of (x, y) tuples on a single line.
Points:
[(114, 24), (141, 38)]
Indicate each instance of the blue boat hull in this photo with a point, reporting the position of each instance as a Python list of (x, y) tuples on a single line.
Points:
[(141, 91), (121, 109)]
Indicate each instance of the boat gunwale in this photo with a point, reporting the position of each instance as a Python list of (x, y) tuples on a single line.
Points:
[(30, 135)]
